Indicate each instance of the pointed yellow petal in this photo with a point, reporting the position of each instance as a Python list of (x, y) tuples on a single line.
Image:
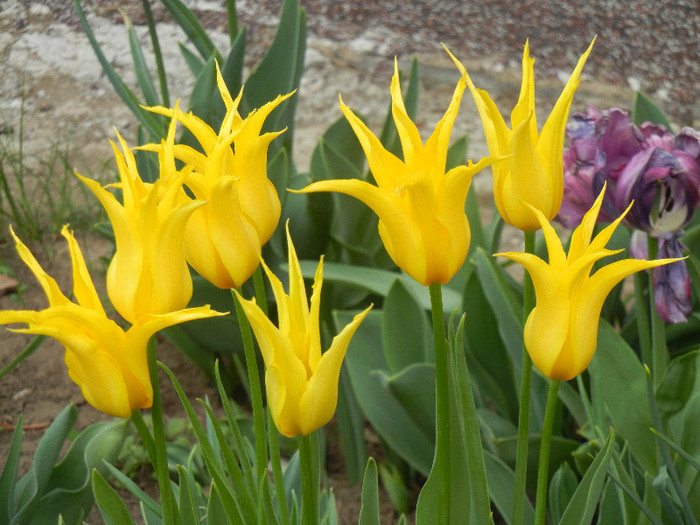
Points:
[(318, 402), (83, 287), (386, 168)]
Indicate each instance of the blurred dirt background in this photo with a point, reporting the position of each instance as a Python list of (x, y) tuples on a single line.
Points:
[(52, 89)]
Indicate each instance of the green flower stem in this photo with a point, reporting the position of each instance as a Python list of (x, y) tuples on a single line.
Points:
[(276, 464), (255, 391), (310, 478), (442, 398), (273, 436), (167, 499), (659, 350), (642, 306), (525, 386), (545, 446)]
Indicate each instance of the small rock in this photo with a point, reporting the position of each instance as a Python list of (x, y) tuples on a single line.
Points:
[(8, 285)]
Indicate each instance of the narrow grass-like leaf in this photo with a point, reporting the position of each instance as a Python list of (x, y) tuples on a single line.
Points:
[(156, 128), (585, 500), (691, 461), (265, 502), (237, 486), (146, 501), (143, 76), (187, 20), (112, 508), (239, 443), (662, 484), (369, 512), (633, 496), (212, 461)]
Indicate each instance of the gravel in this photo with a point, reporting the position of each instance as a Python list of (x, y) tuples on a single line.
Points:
[(646, 44)]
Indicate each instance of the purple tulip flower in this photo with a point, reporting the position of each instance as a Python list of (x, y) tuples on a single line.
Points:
[(647, 164), (672, 281)]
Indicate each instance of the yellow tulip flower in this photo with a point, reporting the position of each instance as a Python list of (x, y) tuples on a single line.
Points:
[(420, 207), (532, 175), (149, 273), (301, 382), (561, 331), (224, 238), (108, 364)]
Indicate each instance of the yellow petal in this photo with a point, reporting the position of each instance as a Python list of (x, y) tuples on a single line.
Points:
[(51, 289), (318, 402), (386, 168), (551, 138)]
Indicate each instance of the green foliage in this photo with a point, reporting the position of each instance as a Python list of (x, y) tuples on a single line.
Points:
[(54, 488)]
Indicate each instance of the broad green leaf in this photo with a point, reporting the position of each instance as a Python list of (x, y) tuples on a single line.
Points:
[(31, 487), (561, 489), (405, 331), (618, 382), (500, 297), (112, 509), (469, 432), (69, 491), (310, 216), (278, 71), (644, 110), (491, 364), (585, 500), (9, 473), (501, 483), (383, 411), (351, 427), (193, 61), (205, 100), (414, 388), (378, 281), (338, 154), (369, 512), (232, 68), (677, 385)]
